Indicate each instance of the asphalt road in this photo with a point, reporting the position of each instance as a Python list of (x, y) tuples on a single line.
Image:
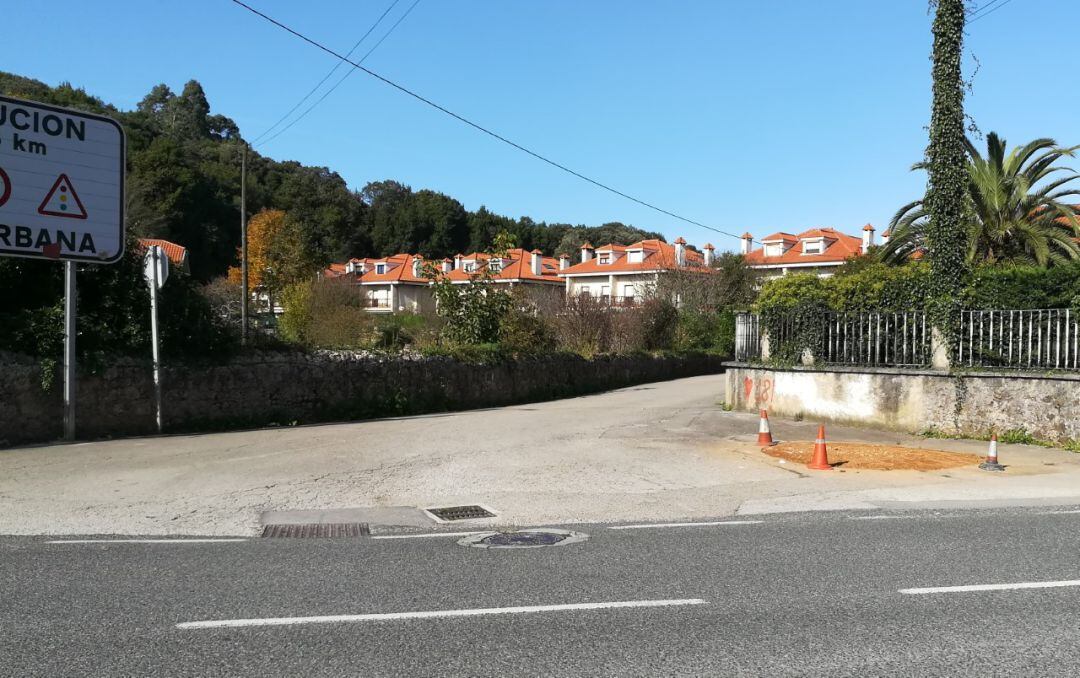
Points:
[(793, 594)]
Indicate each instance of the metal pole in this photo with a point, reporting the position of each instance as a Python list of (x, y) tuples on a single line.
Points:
[(69, 350), (155, 252), (243, 247)]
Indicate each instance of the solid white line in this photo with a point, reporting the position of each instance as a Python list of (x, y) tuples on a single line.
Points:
[(433, 614), (144, 541), (428, 534), (1051, 513), (718, 522), (993, 587)]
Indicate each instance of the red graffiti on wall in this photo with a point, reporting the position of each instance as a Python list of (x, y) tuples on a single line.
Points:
[(764, 391)]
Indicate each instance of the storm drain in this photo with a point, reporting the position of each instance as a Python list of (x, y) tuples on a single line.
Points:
[(316, 530), (523, 539), (452, 513)]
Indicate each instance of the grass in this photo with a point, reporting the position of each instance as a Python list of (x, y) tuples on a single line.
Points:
[(1013, 436)]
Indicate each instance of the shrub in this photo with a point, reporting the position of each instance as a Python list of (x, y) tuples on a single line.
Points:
[(325, 314), (522, 330), (705, 331), (583, 326)]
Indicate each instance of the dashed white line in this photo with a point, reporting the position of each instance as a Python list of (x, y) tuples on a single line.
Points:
[(708, 524), (434, 614), (146, 541), (880, 517), (428, 535), (993, 587)]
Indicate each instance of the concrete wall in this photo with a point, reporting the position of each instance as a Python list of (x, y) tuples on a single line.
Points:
[(1048, 407), (281, 388)]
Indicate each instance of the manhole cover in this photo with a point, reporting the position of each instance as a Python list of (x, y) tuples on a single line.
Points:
[(317, 530), (452, 513), (523, 539)]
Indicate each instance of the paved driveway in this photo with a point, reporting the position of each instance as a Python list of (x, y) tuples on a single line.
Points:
[(661, 451)]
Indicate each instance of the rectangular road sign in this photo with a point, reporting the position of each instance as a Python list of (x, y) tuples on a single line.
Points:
[(61, 183)]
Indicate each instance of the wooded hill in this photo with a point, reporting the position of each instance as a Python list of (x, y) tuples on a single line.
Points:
[(184, 186)]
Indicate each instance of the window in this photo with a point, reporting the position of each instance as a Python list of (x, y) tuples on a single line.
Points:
[(605, 258), (774, 250), (635, 256), (380, 268), (628, 291), (584, 291), (813, 247), (495, 265), (605, 291), (470, 267)]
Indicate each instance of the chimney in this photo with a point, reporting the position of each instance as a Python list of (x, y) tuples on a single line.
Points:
[(447, 265), (586, 252), (537, 262), (680, 252), (885, 238), (564, 262), (747, 243), (458, 258), (710, 256), (350, 267), (867, 238), (416, 264)]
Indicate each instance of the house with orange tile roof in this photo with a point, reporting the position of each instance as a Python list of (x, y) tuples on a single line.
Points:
[(818, 251), (177, 254), (621, 275), (516, 268), (399, 282)]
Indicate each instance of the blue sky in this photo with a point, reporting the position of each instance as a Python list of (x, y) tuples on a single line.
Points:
[(762, 116)]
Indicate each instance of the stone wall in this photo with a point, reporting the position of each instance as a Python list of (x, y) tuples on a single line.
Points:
[(283, 388), (974, 404)]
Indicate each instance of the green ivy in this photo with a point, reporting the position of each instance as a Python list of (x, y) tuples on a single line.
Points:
[(946, 195)]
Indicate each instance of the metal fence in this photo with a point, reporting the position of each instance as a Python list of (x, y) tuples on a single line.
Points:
[(883, 339), (747, 336), (1029, 339)]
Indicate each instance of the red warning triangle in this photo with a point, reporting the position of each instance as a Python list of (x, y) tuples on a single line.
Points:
[(62, 201)]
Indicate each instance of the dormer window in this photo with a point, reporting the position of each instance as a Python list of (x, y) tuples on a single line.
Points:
[(635, 256), (813, 246), (380, 268), (774, 249), (495, 265), (470, 266), (604, 258)]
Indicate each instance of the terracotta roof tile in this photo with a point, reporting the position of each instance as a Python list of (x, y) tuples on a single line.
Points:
[(658, 256), (838, 248)]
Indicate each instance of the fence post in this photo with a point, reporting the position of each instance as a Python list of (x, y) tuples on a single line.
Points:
[(939, 350)]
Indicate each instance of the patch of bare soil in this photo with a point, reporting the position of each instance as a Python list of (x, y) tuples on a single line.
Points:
[(875, 457)]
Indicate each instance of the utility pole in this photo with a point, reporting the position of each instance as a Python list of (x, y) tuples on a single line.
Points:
[(243, 247)]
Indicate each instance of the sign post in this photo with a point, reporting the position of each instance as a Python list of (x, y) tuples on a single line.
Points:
[(156, 270), (61, 199)]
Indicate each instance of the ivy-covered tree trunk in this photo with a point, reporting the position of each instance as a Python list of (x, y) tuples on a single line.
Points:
[(946, 156)]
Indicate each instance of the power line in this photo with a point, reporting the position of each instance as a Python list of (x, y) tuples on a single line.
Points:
[(477, 126), (327, 76), (347, 73), (987, 10)]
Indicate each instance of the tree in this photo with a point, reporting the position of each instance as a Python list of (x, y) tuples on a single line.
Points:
[(1013, 208), (946, 165), (277, 256)]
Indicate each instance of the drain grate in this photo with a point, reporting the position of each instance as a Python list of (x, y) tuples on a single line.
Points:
[(316, 530), (452, 513)]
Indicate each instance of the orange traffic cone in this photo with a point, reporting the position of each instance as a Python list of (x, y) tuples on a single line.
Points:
[(764, 436), (991, 463), (820, 460)]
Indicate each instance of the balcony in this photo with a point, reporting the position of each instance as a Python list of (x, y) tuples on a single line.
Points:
[(376, 304)]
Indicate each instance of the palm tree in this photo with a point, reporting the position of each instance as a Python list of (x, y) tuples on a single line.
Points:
[(1011, 217)]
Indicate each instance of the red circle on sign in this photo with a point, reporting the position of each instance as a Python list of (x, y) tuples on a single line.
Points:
[(6, 193)]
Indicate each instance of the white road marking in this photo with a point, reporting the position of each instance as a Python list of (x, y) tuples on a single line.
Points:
[(880, 517), (993, 587), (717, 522), (428, 534), (145, 541), (434, 614), (1050, 513)]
